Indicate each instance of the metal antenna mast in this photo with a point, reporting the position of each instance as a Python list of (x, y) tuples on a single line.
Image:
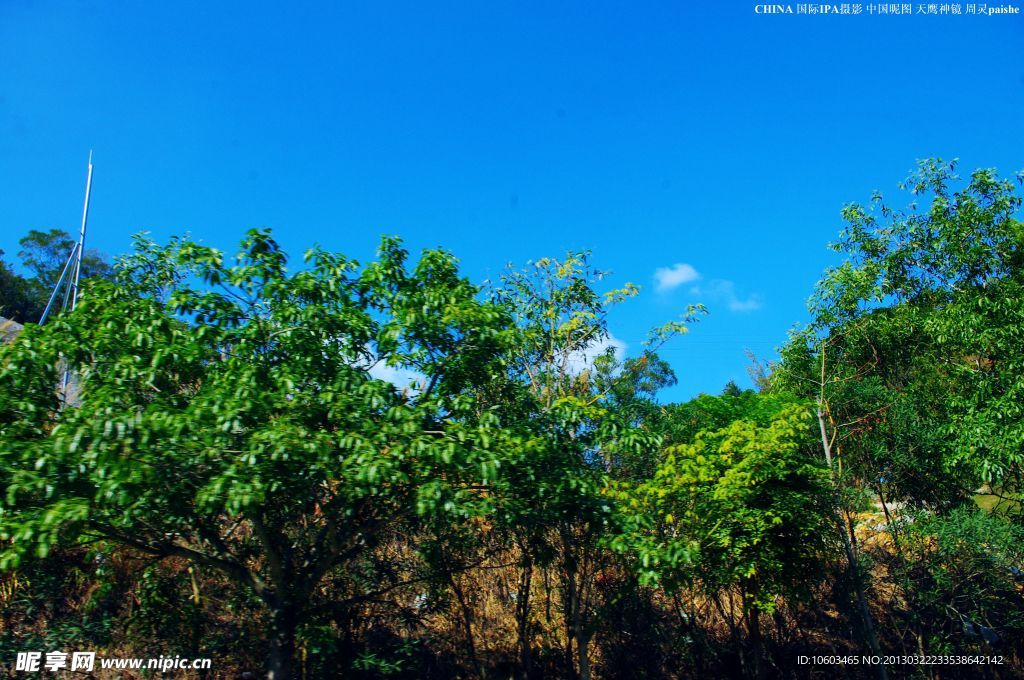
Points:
[(81, 234), (72, 269), (73, 266)]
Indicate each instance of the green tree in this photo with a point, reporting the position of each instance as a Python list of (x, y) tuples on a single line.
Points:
[(584, 410), (46, 252), (743, 505), (731, 389), (555, 512), (929, 302), (17, 296), (229, 416), (960, 582), (911, 354)]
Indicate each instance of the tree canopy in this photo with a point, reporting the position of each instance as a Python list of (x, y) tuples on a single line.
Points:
[(382, 469)]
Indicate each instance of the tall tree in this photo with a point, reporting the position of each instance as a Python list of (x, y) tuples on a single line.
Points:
[(911, 354), (930, 302), (45, 253), (743, 505), (584, 408), (229, 416)]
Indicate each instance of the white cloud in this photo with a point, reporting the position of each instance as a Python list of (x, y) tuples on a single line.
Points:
[(668, 278), (751, 304), (378, 369), (397, 376), (724, 291), (583, 359)]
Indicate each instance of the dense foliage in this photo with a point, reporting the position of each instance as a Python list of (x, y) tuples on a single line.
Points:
[(336, 469)]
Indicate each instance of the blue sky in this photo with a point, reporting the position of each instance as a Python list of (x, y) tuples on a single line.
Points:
[(699, 139)]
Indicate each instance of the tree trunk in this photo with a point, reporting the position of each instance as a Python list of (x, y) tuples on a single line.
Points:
[(283, 621), (583, 649), (467, 623), (753, 616), (576, 574), (196, 619), (889, 522), (570, 597), (851, 555), (523, 614), (756, 644)]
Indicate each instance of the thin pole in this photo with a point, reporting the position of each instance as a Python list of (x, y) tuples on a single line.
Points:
[(60, 282), (73, 289), (81, 235)]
